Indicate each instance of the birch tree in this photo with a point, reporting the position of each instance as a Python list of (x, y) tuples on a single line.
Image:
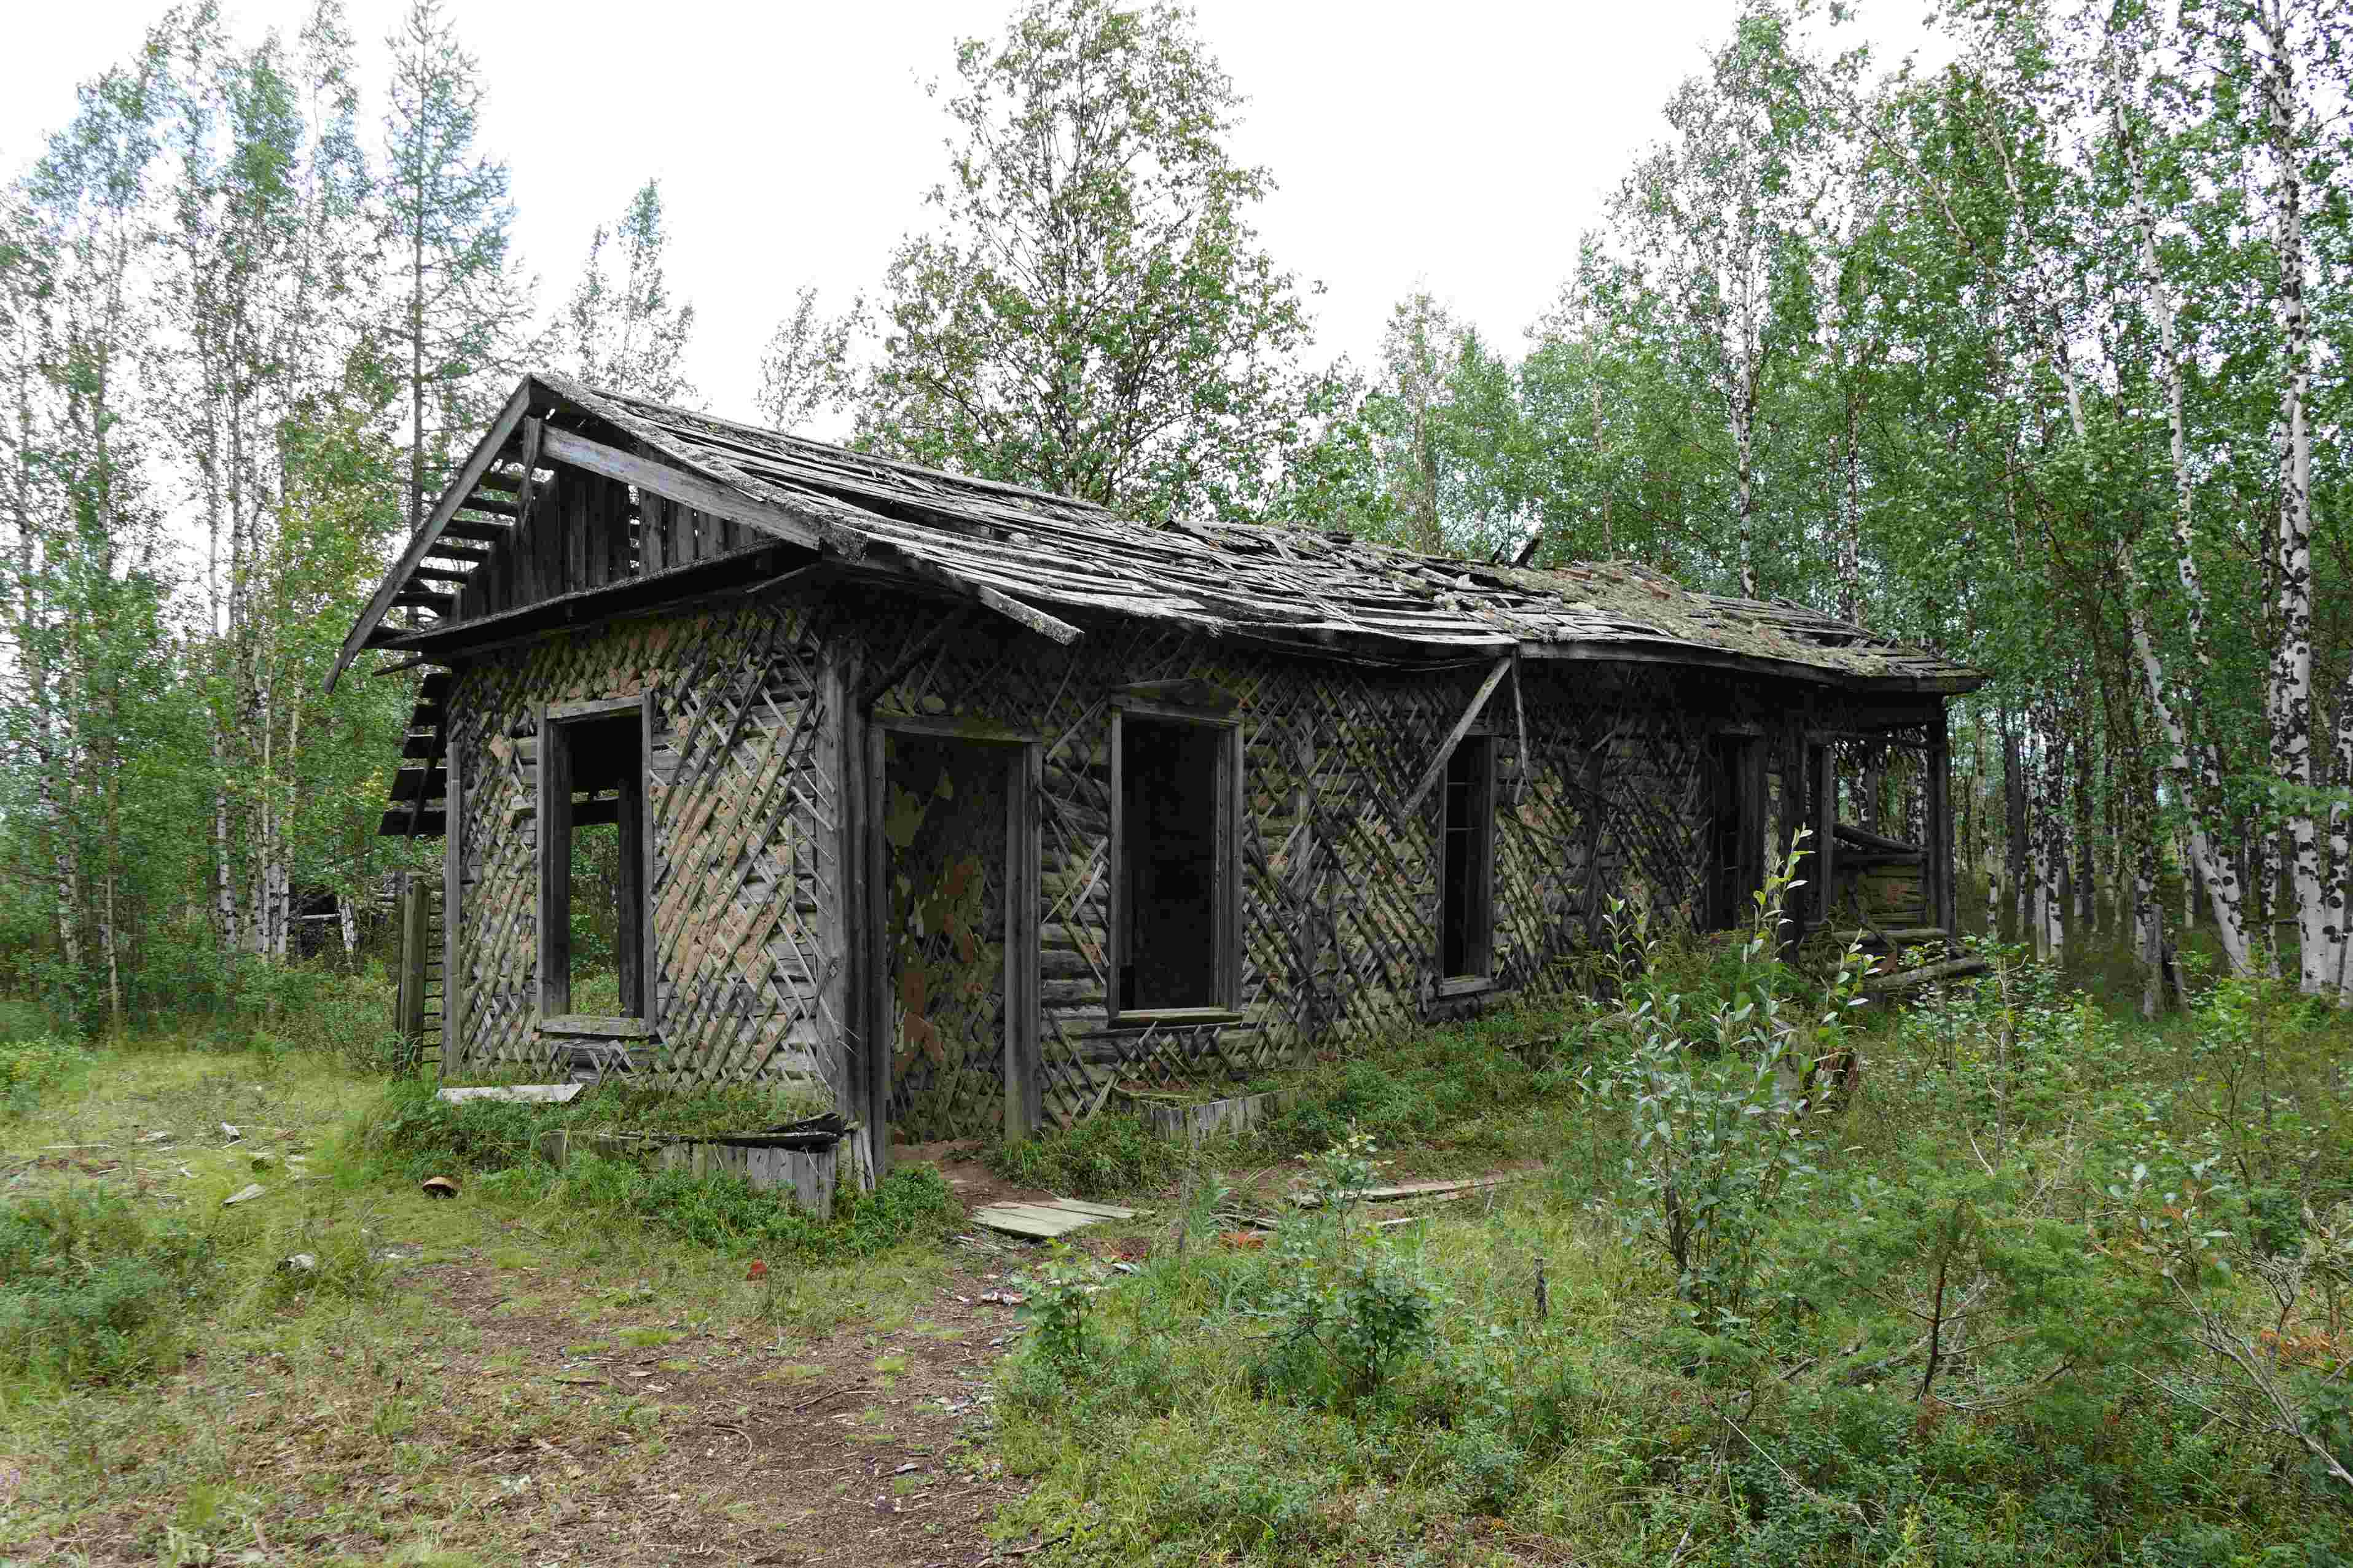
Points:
[(1721, 218), (1094, 313), (624, 333)]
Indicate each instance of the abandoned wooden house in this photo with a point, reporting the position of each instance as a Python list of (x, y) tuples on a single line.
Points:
[(967, 804)]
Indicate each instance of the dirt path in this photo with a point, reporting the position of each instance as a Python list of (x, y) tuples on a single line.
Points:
[(852, 1448), (537, 1421)]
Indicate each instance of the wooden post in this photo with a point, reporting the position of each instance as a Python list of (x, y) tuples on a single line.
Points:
[(1024, 1078), (650, 953), (411, 1006), (864, 1092), (1825, 782), (555, 832), (453, 887), (1939, 894)]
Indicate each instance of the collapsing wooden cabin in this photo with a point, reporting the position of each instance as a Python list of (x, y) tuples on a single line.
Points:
[(964, 803)]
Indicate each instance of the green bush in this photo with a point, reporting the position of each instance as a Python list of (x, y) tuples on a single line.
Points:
[(93, 1286), (1719, 1084), (30, 1067), (1348, 1310)]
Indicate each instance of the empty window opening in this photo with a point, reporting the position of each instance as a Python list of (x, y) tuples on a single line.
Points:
[(593, 916), (1466, 892), (1174, 865)]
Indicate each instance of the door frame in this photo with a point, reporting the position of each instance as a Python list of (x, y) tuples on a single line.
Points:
[(1023, 762)]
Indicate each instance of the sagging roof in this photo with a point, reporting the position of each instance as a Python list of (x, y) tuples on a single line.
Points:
[(1040, 557)]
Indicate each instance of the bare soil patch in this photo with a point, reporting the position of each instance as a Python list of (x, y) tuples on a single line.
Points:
[(542, 1420)]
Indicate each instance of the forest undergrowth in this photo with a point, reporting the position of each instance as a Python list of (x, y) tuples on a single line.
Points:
[(2035, 1282), (2039, 1284)]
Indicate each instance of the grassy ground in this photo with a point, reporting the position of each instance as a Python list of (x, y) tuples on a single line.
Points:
[(1696, 1329), (505, 1377)]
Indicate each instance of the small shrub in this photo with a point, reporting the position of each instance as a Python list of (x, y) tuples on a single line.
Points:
[(1713, 1082), (1349, 1311), (93, 1286), (1056, 1300), (30, 1067)]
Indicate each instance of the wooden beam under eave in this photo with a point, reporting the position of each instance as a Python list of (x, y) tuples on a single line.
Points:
[(678, 485)]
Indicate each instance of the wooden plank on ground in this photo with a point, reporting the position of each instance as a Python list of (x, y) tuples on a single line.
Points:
[(1045, 1221), (1419, 1189), (1028, 1219)]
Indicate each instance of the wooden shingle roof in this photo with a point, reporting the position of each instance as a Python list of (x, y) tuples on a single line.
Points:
[(1044, 558)]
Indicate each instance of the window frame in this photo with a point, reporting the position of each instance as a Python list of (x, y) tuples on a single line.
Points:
[(1225, 900), (1480, 940), (635, 825)]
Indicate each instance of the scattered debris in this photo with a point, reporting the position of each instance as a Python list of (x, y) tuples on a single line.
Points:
[(229, 1132), (440, 1188), (155, 1138), (1004, 1298), (262, 1162), (300, 1263), (759, 1271), (244, 1193)]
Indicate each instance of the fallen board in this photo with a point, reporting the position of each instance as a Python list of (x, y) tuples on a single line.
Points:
[(1048, 1220), (1417, 1190), (515, 1094)]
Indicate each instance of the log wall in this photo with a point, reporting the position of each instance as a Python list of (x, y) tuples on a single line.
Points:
[(1607, 797)]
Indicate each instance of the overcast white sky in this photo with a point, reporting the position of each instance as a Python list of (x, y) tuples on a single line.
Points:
[(1460, 146)]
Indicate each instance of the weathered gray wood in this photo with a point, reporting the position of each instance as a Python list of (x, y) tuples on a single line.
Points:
[(1943, 907), (1824, 758), (453, 887), (1194, 1123), (1437, 768), (599, 708), (1864, 839), (554, 834), (810, 1175), (1052, 627), (1420, 1189), (1926, 974), (643, 846), (1024, 1072), (593, 1026), (686, 490), (515, 1094), (1045, 1221)]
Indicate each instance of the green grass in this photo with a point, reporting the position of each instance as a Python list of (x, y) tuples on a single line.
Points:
[(140, 1318), (1342, 1395)]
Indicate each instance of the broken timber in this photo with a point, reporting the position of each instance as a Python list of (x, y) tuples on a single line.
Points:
[(1045, 1221), (1418, 1190)]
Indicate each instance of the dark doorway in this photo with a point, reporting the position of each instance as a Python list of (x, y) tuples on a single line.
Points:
[(945, 819), (1735, 830)]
